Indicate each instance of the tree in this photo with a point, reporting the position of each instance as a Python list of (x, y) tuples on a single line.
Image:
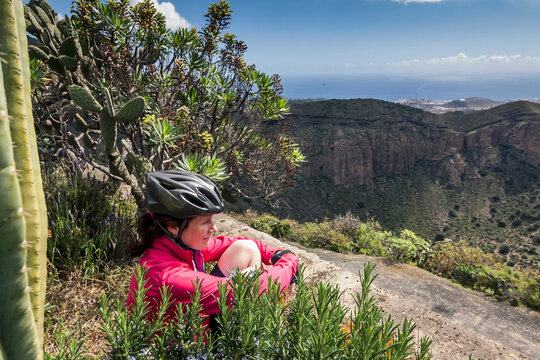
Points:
[(203, 105)]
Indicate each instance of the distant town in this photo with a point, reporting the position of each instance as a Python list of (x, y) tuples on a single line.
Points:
[(465, 105)]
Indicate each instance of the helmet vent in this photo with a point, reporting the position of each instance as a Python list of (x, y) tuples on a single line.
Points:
[(167, 186), (194, 200), (208, 195)]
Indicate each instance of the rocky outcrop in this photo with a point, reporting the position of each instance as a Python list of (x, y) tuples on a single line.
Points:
[(385, 138)]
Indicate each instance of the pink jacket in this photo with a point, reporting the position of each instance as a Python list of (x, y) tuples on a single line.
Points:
[(168, 264)]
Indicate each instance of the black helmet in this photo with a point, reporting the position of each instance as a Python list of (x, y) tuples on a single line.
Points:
[(181, 194)]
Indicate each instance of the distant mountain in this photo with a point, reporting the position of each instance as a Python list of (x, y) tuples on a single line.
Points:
[(469, 176), (443, 106), (304, 100)]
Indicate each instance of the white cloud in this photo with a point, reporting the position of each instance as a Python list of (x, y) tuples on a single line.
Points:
[(463, 59), (350, 65), (172, 17), (464, 64)]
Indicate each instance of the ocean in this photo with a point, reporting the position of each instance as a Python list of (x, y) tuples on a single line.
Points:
[(392, 88)]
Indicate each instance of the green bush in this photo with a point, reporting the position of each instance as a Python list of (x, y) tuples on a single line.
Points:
[(400, 249), (312, 325), (445, 257), (466, 274), (88, 222), (422, 247), (473, 268), (504, 249), (322, 235), (369, 239), (271, 225)]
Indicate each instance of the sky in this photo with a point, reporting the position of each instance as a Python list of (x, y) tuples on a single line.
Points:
[(440, 41)]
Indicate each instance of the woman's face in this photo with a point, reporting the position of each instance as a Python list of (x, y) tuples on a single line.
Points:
[(198, 231)]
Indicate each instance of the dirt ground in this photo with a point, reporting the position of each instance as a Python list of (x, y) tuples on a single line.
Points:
[(460, 322)]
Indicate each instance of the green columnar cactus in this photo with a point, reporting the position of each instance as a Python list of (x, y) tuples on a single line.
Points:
[(18, 331), (22, 238), (108, 121), (36, 256)]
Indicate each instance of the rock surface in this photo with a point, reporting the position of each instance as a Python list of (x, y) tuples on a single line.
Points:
[(353, 141), (459, 321)]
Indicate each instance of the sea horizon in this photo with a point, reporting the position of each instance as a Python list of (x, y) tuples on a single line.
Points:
[(396, 87)]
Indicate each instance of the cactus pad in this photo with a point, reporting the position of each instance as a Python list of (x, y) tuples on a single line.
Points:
[(36, 53), (68, 47), (131, 111), (68, 61), (108, 129), (83, 98)]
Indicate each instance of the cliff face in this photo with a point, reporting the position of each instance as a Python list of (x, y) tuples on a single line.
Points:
[(354, 149)]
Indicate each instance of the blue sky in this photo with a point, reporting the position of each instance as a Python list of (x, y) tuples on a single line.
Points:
[(445, 39)]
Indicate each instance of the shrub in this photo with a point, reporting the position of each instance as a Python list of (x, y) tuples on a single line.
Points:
[(473, 268), (466, 274), (421, 246), (271, 225), (438, 237), (369, 239), (400, 249), (312, 325), (346, 224), (322, 235), (88, 223), (447, 256), (504, 249)]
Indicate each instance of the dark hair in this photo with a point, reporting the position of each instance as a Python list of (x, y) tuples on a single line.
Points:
[(148, 231)]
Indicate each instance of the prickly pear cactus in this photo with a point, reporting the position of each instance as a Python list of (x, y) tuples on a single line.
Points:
[(109, 118), (23, 223)]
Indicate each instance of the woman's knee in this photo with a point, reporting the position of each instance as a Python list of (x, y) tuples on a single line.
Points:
[(240, 255)]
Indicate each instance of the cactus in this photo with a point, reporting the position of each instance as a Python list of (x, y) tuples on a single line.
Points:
[(23, 219), (60, 50), (108, 122), (84, 99), (131, 110)]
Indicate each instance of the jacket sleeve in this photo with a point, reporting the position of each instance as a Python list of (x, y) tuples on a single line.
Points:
[(219, 244), (182, 280)]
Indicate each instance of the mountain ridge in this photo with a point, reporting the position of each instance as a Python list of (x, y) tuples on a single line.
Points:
[(458, 176)]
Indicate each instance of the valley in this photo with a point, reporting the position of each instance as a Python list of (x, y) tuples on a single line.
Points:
[(444, 176)]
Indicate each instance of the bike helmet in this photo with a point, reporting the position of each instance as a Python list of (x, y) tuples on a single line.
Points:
[(181, 194)]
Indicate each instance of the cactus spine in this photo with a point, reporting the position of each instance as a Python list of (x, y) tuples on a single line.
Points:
[(23, 215)]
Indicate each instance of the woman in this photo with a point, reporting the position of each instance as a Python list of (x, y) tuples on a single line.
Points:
[(177, 239)]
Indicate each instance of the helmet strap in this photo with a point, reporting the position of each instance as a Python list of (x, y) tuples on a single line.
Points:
[(176, 239)]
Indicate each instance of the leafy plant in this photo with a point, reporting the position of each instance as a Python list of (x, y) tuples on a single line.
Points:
[(209, 166), (197, 92), (253, 325), (322, 235), (68, 348), (400, 249), (369, 239), (83, 234), (161, 134)]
